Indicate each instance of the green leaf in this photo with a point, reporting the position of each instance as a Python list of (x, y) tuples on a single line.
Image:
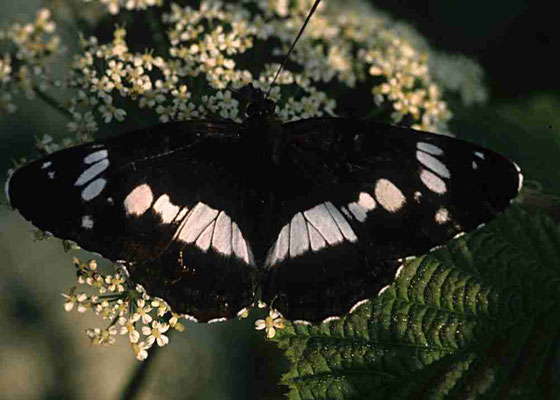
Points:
[(478, 318)]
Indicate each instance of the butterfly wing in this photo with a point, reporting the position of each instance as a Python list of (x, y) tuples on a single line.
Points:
[(164, 200), (366, 195)]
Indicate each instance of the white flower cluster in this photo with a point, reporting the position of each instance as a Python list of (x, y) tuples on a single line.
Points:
[(23, 64), (131, 311), (115, 6), (461, 75), (219, 46)]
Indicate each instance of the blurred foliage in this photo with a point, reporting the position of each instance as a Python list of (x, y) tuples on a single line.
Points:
[(525, 129)]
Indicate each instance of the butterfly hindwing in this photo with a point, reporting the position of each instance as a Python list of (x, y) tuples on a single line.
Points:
[(163, 200), (394, 192), (328, 207)]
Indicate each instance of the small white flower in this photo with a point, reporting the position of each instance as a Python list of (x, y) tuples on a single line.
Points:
[(161, 306), (82, 123), (105, 309), (97, 281), (140, 350), (127, 327), (272, 322), (75, 299), (116, 70), (115, 283), (174, 322), (102, 336), (142, 311), (108, 111), (156, 333)]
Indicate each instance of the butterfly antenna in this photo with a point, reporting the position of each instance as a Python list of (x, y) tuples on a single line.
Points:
[(313, 8)]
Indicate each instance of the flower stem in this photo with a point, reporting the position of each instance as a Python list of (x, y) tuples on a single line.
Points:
[(134, 385), (52, 102), (158, 32)]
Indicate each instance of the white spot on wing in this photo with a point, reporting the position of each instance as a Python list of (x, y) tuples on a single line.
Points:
[(299, 237), (87, 222), (95, 157), (92, 172), (325, 224), (433, 163), (93, 189), (341, 222), (221, 240), (238, 244), (46, 164), (317, 241), (441, 216), (417, 196), (205, 239), (51, 175), (479, 155), (474, 165), (433, 182), (166, 210), (182, 214), (366, 201), (197, 220), (282, 246), (389, 196), (429, 148), (138, 200), (359, 213)]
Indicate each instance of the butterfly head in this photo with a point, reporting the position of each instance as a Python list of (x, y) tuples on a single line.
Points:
[(258, 106)]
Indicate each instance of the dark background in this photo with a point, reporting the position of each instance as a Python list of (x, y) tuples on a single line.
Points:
[(518, 45), (516, 41), (43, 352)]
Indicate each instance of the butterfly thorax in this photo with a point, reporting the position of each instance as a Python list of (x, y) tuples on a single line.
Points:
[(263, 133)]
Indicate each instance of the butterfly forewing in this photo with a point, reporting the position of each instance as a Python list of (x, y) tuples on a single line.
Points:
[(327, 206), (165, 201), (393, 193)]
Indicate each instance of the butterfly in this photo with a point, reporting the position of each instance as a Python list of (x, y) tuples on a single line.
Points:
[(316, 214)]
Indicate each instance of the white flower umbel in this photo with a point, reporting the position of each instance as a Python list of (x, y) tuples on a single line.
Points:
[(127, 306), (26, 67)]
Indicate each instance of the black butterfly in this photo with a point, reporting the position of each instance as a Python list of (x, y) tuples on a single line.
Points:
[(317, 212)]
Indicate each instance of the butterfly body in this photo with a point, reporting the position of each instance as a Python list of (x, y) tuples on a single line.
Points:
[(316, 212)]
